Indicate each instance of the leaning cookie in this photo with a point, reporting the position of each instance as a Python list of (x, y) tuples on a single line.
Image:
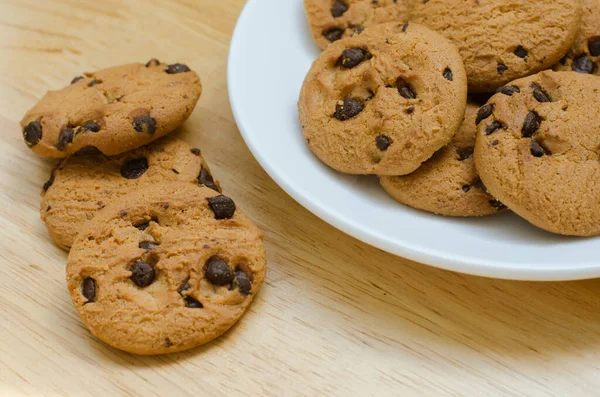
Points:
[(85, 183), (166, 268), (332, 20), (447, 184), (537, 150), (584, 55), (113, 110), (384, 101)]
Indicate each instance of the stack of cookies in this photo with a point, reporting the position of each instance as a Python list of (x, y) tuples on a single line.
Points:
[(160, 261), (455, 106)]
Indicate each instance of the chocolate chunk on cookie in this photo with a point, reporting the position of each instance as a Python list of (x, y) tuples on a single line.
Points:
[(501, 40), (448, 183), (332, 20), (84, 184), (114, 110), (363, 111), (197, 280), (545, 163)]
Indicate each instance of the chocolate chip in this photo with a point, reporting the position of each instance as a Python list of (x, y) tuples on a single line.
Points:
[(539, 94), (583, 64), (195, 151), (153, 62), (495, 142), (90, 126), (338, 9), (147, 245), (531, 124), (465, 153), (405, 89), (348, 109), (333, 34), (144, 124), (144, 225), (76, 79), (218, 272), (177, 68), (484, 112), (404, 27), (168, 342), (32, 133), (206, 179), (88, 289), (48, 208), (536, 149), (594, 46), (466, 188), (383, 142), (497, 205), (352, 57), (192, 303), (134, 168), (222, 206), (242, 282), (89, 151), (502, 68), (65, 138), (448, 74), (184, 286), (94, 82), (175, 171), (142, 274), (49, 182), (509, 90), (410, 109), (521, 52), (357, 29), (495, 126)]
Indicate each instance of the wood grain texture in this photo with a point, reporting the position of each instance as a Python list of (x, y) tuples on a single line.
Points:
[(335, 317)]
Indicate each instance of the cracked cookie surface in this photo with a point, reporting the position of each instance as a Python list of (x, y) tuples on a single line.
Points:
[(384, 101), (447, 183), (165, 269), (113, 110), (502, 40), (538, 151), (83, 184)]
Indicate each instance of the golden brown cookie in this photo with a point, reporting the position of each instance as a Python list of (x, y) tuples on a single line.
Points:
[(538, 151), (332, 20), (166, 268), (83, 184), (502, 40), (113, 110), (584, 55), (384, 101), (448, 183)]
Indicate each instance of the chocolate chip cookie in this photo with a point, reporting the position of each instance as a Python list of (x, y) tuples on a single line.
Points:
[(166, 268), (538, 150), (584, 55), (332, 20), (502, 40), (384, 101), (85, 183), (113, 110), (448, 183)]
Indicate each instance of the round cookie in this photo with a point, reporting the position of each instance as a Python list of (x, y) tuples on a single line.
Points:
[(447, 184), (502, 40), (83, 184), (166, 268), (114, 110), (384, 101), (584, 55), (332, 20), (537, 150)]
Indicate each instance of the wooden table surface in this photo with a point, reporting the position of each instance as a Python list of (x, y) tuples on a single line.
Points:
[(335, 316)]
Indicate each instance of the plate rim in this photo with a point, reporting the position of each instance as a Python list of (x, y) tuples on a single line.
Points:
[(431, 257)]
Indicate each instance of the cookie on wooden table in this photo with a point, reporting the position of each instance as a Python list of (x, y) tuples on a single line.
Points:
[(332, 20), (448, 183), (83, 184), (384, 101), (113, 110), (537, 151), (502, 40), (166, 268), (584, 55)]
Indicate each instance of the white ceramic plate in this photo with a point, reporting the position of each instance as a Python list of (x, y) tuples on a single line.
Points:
[(271, 52)]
